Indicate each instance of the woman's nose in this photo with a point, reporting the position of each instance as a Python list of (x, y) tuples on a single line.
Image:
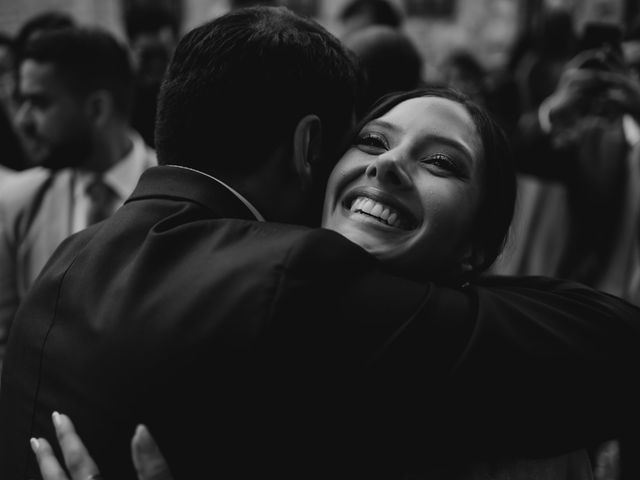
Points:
[(387, 169)]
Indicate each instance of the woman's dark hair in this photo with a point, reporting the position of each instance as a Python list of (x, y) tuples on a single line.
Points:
[(491, 228)]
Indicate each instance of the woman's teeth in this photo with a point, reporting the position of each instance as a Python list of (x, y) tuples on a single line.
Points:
[(379, 211)]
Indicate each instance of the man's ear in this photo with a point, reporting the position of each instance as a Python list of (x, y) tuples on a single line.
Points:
[(99, 107), (307, 148)]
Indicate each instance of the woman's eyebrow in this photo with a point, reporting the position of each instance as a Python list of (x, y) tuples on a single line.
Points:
[(378, 122)]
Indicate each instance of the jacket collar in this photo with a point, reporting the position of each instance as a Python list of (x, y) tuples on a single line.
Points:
[(191, 185)]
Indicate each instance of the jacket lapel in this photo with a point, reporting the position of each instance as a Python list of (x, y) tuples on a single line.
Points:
[(192, 186)]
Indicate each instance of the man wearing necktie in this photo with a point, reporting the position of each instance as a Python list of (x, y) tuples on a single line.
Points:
[(75, 87)]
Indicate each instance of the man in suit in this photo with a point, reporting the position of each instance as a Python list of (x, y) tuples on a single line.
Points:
[(261, 349), (75, 89)]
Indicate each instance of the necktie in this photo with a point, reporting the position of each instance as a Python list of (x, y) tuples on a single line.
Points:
[(102, 200)]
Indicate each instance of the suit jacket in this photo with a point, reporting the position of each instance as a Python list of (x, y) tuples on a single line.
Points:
[(35, 216), (260, 349)]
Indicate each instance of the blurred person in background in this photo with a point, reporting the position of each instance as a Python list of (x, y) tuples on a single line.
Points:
[(551, 45), (580, 143), (12, 155), (578, 214), (390, 62), (37, 24), (358, 14), (461, 70), (75, 87), (152, 33)]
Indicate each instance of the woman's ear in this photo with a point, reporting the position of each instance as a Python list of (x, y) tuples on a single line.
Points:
[(472, 257), (307, 148), (99, 107)]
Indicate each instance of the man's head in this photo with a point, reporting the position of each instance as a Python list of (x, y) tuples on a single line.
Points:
[(42, 22), (152, 32), (248, 92), (74, 85), (362, 13)]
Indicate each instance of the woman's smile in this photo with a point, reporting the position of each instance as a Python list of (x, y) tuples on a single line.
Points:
[(378, 208)]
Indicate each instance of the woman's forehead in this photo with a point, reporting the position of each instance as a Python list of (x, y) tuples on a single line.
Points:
[(428, 109), (434, 117)]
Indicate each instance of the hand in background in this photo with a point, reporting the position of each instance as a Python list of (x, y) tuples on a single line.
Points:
[(586, 97), (149, 462)]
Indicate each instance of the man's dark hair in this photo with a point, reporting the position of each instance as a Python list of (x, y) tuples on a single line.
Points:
[(238, 85), (381, 12), (41, 22), (141, 19), (87, 60)]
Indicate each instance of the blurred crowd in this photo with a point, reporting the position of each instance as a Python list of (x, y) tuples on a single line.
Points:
[(77, 118)]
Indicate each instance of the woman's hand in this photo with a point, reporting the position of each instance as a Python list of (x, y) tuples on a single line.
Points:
[(147, 458)]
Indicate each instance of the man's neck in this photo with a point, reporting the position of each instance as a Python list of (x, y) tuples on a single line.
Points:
[(109, 151)]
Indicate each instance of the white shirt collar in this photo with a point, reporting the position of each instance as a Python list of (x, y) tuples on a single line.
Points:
[(240, 197), (123, 176)]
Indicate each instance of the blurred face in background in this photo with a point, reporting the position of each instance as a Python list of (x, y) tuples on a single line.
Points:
[(7, 82), (409, 189), (53, 120), (151, 53)]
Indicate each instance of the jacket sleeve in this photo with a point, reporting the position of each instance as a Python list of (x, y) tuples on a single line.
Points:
[(526, 366)]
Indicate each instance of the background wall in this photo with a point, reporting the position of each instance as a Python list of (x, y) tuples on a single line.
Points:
[(105, 13), (485, 27)]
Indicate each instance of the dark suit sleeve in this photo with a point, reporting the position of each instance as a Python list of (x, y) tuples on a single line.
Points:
[(529, 366)]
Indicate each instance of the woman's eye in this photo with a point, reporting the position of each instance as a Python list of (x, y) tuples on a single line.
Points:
[(442, 162), (371, 143)]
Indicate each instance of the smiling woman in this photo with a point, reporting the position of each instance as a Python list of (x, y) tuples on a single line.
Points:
[(427, 186)]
